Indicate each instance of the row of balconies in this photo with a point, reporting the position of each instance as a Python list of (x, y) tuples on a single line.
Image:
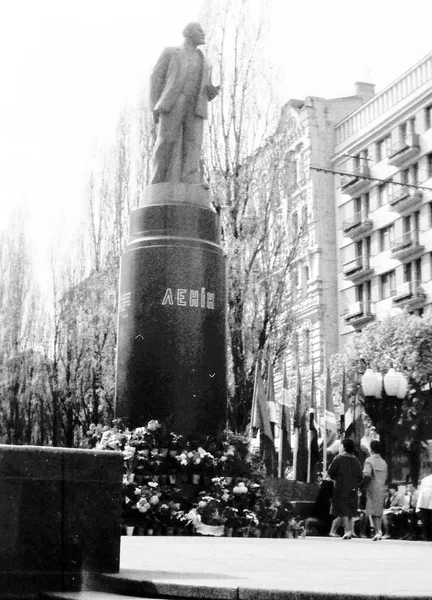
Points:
[(401, 152), (403, 200), (410, 295), (401, 248)]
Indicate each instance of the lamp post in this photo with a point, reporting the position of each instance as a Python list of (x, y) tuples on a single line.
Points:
[(383, 403)]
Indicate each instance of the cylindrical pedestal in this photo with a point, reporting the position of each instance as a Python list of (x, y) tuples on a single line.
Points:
[(171, 354)]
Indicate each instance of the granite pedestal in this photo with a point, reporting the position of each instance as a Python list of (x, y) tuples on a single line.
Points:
[(171, 354)]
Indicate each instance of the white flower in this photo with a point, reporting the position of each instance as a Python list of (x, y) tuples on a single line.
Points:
[(128, 452), (153, 425), (154, 500), (143, 506), (225, 497), (240, 488), (152, 484), (202, 504)]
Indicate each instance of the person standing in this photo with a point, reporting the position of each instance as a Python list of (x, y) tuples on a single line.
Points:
[(346, 472), (424, 505), (374, 481), (180, 89)]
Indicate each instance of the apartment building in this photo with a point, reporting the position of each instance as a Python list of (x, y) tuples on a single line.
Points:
[(383, 195), (307, 127)]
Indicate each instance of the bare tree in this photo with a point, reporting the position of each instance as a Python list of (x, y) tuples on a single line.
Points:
[(21, 383), (245, 164)]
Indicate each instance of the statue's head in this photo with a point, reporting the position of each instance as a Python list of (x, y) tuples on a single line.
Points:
[(194, 33)]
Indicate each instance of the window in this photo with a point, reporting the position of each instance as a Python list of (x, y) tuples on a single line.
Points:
[(306, 345), (402, 131), (418, 269), (429, 165), (366, 203), (412, 123), (411, 223), (382, 194), (363, 249), (363, 294), (383, 148), (357, 206), (428, 117), (408, 272), (414, 173), (413, 271), (304, 217), (386, 236), (410, 175), (387, 285)]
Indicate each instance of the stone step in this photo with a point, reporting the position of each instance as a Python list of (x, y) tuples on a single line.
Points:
[(84, 595)]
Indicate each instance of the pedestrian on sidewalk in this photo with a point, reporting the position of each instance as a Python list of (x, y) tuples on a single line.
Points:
[(374, 482), (346, 472), (424, 505)]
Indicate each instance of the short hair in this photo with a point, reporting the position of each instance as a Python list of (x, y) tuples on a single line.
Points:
[(348, 445), (189, 26), (393, 486), (376, 447)]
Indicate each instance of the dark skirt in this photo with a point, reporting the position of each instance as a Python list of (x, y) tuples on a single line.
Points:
[(345, 506)]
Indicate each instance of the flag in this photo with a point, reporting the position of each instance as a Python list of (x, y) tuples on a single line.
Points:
[(271, 399), (284, 428), (313, 449), (300, 448), (262, 416), (330, 424), (353, 422)]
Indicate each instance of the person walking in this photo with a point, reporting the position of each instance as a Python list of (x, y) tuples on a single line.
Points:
[(374, 482), (346, 472), (424, 505)]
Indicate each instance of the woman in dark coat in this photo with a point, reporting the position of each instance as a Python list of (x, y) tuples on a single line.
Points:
[(346, 472)]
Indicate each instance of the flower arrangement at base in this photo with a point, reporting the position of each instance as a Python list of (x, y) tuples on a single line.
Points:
[(160, 494)]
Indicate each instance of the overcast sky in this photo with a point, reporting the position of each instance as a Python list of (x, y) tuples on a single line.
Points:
[(68, 68)]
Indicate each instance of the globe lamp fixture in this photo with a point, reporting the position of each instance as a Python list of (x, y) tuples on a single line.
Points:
[(394, 382)]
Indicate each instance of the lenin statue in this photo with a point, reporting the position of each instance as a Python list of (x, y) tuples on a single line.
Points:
[(180, 89)]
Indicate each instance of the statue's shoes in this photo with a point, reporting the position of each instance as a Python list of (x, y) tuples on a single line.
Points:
[(347, 536), (377, 537)]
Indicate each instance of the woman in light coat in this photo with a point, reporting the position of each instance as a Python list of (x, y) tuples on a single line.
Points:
[(374, 482)]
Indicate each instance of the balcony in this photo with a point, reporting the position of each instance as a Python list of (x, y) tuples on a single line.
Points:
[(406, 246), (405, 149), (359, 313), (405, 199), (357, 225), (409, 295), (353, 183), (358, 269)]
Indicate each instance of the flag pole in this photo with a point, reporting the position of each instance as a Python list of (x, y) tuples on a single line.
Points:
[(295, 451), (309, 465), (325, 445), (281, 434)]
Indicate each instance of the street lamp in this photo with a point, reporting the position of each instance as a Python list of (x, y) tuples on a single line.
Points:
[(383, 403)]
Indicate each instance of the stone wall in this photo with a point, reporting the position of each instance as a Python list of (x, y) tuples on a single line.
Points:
[(60, 512)]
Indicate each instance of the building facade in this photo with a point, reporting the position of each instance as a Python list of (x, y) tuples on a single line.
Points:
[(383, 196), (308, 129)]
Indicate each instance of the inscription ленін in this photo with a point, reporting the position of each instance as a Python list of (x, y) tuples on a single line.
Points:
[(184, 297)]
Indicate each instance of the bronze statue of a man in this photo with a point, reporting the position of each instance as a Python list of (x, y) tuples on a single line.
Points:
[(180, 89)]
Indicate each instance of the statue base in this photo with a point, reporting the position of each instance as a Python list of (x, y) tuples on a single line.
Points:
[(171, 355)]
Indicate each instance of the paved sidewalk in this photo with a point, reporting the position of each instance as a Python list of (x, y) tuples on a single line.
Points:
[(272, 568)]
